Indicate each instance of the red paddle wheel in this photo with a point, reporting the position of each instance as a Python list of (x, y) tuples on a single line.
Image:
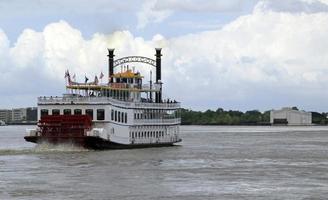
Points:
[(64, 128)]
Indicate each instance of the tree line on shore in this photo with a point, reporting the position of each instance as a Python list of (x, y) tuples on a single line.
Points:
[(233, 117)]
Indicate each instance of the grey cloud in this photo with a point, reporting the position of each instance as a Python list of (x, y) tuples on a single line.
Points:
[(200, 5), (14, 8), (292, 6)]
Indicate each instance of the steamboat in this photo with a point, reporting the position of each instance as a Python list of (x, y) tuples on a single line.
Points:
[(121, 113)]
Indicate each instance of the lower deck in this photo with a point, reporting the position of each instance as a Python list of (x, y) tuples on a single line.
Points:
[(93, 142), (76, 128)]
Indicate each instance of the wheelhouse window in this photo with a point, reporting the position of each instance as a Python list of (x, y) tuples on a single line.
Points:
[(44, 112), (89, 112), (67, 112), (55, 112), (100, 114), (77, 112)]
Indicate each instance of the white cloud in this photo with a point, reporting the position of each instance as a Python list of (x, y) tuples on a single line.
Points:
[(266, 59), (28, 48)]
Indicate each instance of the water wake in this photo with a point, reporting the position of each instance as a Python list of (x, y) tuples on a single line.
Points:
[(66, 147), (44, 148)]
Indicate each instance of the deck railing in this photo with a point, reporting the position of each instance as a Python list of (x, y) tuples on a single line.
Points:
[(157, 121), (106, 100)]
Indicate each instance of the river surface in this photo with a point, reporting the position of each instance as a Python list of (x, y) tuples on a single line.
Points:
[(212, 162)]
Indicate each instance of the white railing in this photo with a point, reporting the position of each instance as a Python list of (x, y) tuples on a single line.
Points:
[(105, 100), (157, 121), (157, 105), (154, 87)]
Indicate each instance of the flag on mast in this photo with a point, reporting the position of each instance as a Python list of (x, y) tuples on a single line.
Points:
[(101, 75), (96, 80), (66, 74), (86, 79)]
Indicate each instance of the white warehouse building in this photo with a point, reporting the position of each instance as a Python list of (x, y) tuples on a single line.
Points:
[(289, 116)]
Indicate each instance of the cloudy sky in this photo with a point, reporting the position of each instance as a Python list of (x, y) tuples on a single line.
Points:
[(236, 54)]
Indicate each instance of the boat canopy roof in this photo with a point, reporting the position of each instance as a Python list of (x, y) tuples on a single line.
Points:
[(127, 74)]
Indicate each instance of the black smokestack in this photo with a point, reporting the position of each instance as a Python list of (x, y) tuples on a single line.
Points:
[(158, 64), (158, 55), (110, 62)]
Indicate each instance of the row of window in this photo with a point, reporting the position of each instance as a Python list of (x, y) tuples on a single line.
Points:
[(118, 116), (147, 134), (100, 112), (156, 114)]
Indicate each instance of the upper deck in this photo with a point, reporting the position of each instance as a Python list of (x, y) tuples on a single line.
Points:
[(89, 100), (125, 88)]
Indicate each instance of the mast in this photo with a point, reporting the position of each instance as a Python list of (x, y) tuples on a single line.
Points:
[(150, 87)]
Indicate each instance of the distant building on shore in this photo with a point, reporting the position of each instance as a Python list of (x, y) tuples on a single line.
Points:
[(6, 115), (290, 116), (18, 115)]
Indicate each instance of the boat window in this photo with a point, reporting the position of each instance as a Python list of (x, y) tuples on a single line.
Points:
[(115, 115), (125, 117), (44, 112), (67, 112), (100, 114), (89, 112), (112, 115), (119, 116), (77, 112), (122, 117), (55, 112)]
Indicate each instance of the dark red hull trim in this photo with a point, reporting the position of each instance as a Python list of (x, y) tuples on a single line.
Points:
[(91, 142)]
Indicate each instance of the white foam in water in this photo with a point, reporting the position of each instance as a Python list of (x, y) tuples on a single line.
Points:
[(66, 147)]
